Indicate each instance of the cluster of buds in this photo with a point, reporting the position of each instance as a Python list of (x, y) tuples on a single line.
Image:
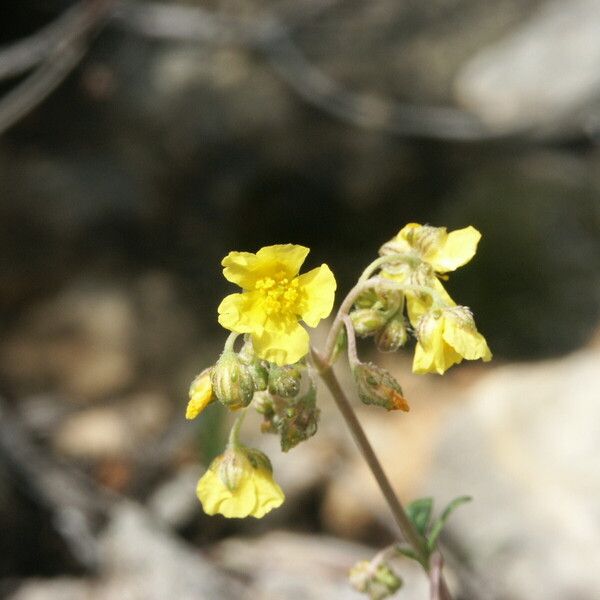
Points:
[(379, 312), (239, 379), (292, 415), (294, 419)]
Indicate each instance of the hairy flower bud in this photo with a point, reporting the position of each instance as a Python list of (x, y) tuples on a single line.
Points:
[(377, 581), (367, 321), (393, 336), (366, 299), (285, 381), (299, 420), (260, 375), (232, 381), (376, 386)]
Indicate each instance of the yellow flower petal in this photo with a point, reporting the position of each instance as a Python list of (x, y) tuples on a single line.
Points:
[(418, 304), (468, 343), (318, 289), (282, 346), (255, 492), (216, 498), (445, 337), (246, 269), (243, 313), (458, 249), (201, 395), (268, 494)]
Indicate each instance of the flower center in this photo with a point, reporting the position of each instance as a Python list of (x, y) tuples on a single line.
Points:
[(280, 296)]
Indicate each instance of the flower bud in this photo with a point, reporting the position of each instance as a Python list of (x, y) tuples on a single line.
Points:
[(376, 386), (285, 381), (201, 395), (377, 581), (232, 381), (366, 299), (367, 321), (299, 420), (393, 336), (259, 374)]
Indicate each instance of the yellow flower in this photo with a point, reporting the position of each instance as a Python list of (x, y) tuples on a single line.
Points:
[(274, 299), (445, 337), (238, 484), (430, 251), (201, 395), (444, 251)]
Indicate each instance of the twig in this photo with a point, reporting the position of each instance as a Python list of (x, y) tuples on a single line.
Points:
[(30, 51), (272, 38), (69, 35), (76, 506)]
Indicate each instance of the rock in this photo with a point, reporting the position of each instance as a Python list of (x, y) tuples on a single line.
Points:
[(175, 502), (118, 430), (80, 342), (140, 561), (525, 446), (94, 433), (546, 69), (61, 588), (286, 566)]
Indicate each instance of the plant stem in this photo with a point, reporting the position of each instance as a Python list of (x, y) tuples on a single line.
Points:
[(343, 310), (230, 341), (382, 260), (234, 434), (352, 355), (410, 534)]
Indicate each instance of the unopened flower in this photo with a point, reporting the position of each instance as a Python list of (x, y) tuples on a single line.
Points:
[(238, 484), (377, 386), (285, 380), (445, 337), (275, 299), (378, 581), (393, 336), (232, 381), (201, 395)]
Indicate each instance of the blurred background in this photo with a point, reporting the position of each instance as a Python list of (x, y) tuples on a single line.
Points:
[(142, 141)]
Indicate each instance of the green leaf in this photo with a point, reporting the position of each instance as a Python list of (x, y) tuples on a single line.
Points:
[(408, 552), (419, 512), (441, 521)]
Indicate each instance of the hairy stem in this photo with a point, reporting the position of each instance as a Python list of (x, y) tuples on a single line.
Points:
[(410, 534), (352, 355), (234, 434)]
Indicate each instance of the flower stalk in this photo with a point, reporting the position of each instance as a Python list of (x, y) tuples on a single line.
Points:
[(405, 525)]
